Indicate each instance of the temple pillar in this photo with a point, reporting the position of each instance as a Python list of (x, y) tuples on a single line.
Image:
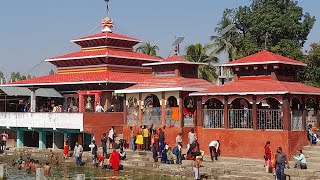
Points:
[(163, 109), (42, 140), (226, 113), (304, 114), (254, 113), (81, 102), (33, 101), (125, 110), (20, 139), (140, 109), (58, 140), (286, 117), (181, 111), (199, 114)]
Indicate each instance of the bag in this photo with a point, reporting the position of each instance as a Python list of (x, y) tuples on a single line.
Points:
[(175, 151)]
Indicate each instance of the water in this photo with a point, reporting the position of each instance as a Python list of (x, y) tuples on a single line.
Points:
[(68, 170)]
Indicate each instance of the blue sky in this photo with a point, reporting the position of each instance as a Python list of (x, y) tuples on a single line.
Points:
[(32, 31)]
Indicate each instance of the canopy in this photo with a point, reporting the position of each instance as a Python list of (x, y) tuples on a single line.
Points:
[(22, 91)]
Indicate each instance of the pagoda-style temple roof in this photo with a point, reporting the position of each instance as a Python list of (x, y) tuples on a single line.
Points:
[(264, 57), (104, 53), (160, 84), (175, 59), (83, 78), (105, 35)]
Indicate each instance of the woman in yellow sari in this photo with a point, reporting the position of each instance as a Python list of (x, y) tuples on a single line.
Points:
[(139, 139)]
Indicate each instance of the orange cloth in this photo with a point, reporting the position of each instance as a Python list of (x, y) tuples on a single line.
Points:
[(66, 150), (175, 113)]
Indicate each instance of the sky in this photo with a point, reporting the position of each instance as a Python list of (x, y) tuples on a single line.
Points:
[(32, 31)]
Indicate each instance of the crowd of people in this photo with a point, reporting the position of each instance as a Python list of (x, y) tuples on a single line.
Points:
[(30, 165)]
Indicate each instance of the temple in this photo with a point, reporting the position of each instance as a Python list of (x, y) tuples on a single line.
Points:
[(264, 102)]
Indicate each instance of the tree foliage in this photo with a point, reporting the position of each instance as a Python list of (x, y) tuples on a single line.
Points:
[(2, 77), (279, 26), (148, 48), (51, 71), (16, 76), (311, 74), (199, 53)]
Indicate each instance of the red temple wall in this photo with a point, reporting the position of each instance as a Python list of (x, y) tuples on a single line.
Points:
[(99, 123)]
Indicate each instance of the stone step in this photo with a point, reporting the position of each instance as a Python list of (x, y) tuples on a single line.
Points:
[(311, 154), (311, 148), (234, 177)]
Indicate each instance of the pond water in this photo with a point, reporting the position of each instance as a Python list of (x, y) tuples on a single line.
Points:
[(68, 170)]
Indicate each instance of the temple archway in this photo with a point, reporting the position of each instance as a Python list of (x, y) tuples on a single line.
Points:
[(213, 113), (172, 102), (172, 112), (151, 110), (269, 114), (132, 111), (311, 116), (240, 114), (296, 113)]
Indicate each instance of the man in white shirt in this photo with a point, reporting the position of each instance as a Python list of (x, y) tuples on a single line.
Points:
[(99, 108), (192, 137), (214, 147), (301, 162), (179, 138), (78, 154), (111, 136)]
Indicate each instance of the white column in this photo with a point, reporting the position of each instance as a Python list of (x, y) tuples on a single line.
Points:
[(33, 99)]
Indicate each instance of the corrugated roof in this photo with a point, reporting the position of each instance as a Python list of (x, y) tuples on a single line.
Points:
[(22, 91)]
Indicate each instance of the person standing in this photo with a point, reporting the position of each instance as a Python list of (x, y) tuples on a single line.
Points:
[(145, 138), (66, 148), (196, 167), (192, 137), (310, 134), (179, 139), (214, 148), (94, 150), (132, 137), (162, 140), (4, 138), (78, 150), (99, 108), (267, 157), (104, 144), (111, 136), (281, 161)]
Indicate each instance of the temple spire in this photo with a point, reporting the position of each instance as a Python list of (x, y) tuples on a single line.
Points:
[(107, 23)]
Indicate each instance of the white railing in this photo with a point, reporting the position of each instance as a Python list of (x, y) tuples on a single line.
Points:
[(152, 116), (269, 119), (296, 120), (188, 120), (213, 118), (132, 116), (240, 118), (42, 120), (169, 120)]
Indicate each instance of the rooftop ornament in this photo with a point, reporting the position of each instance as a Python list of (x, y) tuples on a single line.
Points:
[(107, 24)]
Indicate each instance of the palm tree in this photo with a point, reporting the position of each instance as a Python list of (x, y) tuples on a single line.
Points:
[(199, 53), (225, 43), (148, 49)]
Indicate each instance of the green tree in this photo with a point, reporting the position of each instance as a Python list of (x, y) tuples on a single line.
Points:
[(279, 26), (148, 49), (199, 53), (311, 74), (226, 42), (51, 71), (2, 77), (16, 76)]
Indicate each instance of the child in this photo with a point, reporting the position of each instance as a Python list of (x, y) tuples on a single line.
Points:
[(169, 156), (47, 169), (196, 167)]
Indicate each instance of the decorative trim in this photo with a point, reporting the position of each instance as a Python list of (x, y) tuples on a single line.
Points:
[(250, 93), (265, 62), (158, 90), (173, 62)]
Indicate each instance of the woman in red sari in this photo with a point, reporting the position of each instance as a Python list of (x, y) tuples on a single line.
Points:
[(114, 160), (267, 157), (66, 148)]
